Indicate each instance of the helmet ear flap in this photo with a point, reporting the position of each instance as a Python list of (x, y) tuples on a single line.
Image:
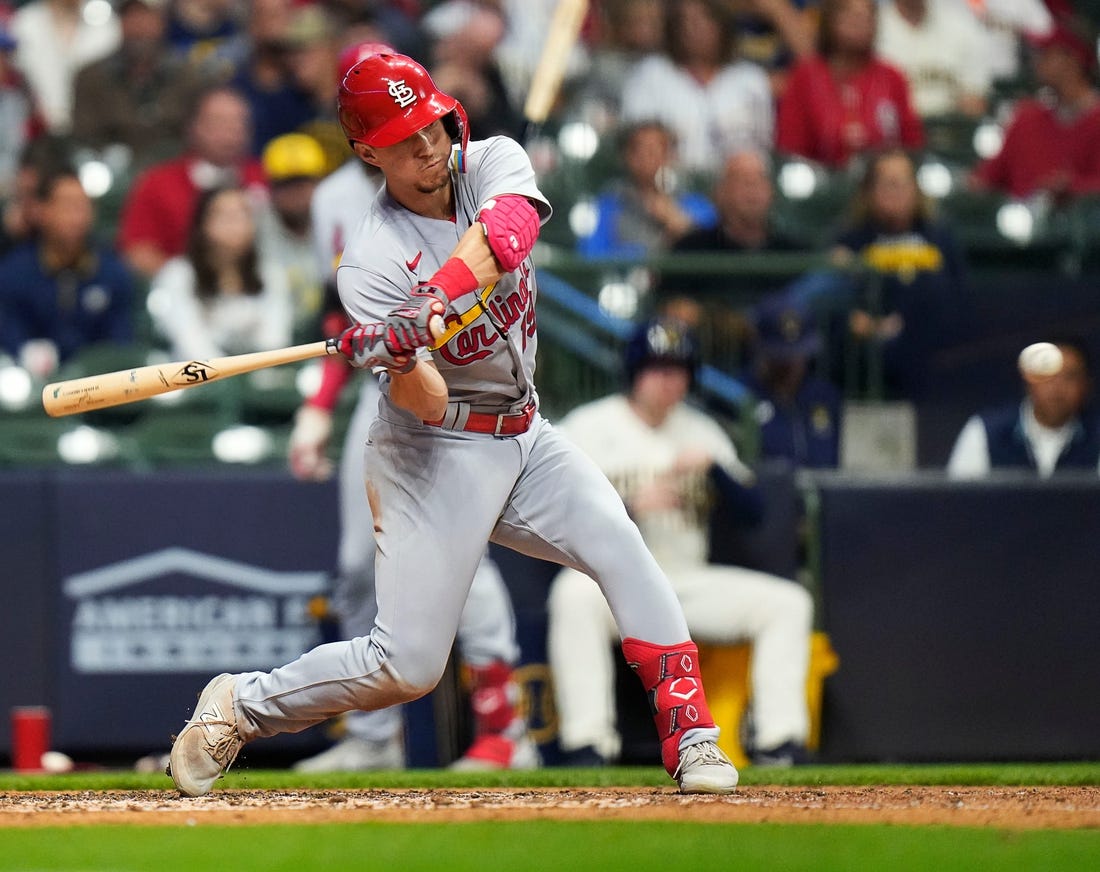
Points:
[(457, 125)]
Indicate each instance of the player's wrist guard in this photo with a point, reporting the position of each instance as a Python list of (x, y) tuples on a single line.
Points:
[(372, 345), (454, 279)]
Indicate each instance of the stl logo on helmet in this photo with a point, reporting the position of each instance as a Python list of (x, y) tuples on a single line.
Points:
[(402, 94)]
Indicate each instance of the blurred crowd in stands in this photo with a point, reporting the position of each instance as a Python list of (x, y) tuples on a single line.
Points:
[(157, 160)]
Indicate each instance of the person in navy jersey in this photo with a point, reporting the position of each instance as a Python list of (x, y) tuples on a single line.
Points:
[(797, 411), (1053, 430), (914, 300), (61, 291)]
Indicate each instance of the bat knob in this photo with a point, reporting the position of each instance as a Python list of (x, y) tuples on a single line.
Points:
[(437, 326)]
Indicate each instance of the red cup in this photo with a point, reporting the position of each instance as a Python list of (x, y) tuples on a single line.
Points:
[(30, 737)]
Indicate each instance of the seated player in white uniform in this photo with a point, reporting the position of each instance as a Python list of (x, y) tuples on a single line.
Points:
[(666, 458)]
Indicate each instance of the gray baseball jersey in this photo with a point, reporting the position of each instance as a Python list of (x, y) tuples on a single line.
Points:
[(488, 357)]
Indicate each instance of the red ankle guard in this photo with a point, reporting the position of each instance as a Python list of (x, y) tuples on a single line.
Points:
[(492, 697), (670, 676)]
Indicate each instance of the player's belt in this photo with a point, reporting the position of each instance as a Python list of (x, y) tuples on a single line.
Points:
[(496, 425)]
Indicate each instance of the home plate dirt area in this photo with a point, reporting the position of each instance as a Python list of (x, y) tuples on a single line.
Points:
[(1001, 807)]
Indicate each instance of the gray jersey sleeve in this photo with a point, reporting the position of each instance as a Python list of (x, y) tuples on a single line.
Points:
[(487, 356), (500, 166)]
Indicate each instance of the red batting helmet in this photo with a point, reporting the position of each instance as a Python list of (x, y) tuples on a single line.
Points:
[(386, 98)]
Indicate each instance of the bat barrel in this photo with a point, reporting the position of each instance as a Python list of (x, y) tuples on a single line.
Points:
[(130, 385)]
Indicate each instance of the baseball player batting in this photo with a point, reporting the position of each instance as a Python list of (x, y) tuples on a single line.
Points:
[(487, 628), (459, 454)]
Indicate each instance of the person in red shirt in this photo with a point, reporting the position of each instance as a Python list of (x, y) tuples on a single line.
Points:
[(157, 212), (842, 100), (1052, 142)]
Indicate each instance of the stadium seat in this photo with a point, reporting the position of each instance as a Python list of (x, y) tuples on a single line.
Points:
[(726, 671), (177, 438), (996, 231), (815, 220), (27, 440), (269, 396), (1084, 218), (951, 138)]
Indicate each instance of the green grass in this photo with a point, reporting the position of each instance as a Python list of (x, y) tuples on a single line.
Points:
[(613, 845), (243, 777), (543, 845)]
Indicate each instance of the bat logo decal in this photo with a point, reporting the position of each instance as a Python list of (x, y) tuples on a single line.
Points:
[(194, 372)]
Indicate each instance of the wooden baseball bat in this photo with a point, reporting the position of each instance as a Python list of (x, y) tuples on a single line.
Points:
[(564, 28), (130, 385)]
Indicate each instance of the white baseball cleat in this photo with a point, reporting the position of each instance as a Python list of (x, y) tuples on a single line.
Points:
[(208, 743), (352, 754), (705, 769)]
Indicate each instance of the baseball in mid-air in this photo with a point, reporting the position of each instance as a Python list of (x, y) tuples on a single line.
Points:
[(1040, 360)]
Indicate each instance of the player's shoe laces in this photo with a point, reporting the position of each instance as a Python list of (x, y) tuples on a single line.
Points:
[(705, 769), (208, 743), (352, 754)]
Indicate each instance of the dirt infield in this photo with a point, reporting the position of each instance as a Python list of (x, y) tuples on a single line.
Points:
[(1001, 807)]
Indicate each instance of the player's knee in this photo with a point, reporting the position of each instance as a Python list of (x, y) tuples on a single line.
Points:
[(416, 676), (794, 603)]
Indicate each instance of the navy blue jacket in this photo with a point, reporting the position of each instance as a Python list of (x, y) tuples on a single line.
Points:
[(1009, 448), (74, 307), (806, 432)]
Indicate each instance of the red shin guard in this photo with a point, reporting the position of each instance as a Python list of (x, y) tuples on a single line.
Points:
[(670, 676)]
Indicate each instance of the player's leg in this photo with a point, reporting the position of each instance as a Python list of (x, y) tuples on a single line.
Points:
[(564, 509), (725, 604), (487, 628), (372, 740), (428, 551), (487, 642), (579, 638)]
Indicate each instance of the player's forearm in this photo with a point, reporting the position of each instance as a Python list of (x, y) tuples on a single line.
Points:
[(474, 251), (421, 391), (335, 373)]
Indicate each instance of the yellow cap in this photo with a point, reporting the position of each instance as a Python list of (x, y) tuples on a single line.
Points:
[(294, 156)]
